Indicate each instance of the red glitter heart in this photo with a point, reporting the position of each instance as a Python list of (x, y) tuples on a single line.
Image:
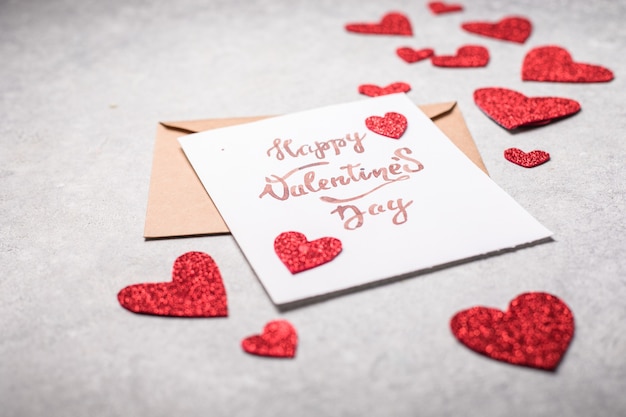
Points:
[(553, 63), (513, 28), (279, 340), (391, 24), (467, 56), (375, 91), (534, 332), (196, 290), (511, 109), (298, 254), (411, 55), (391, 125), (439, 7), (527, 160)]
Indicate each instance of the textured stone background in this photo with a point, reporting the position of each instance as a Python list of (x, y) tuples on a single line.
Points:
[(82, 86)]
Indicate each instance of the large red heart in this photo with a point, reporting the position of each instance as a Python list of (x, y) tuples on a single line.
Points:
[(372, 90), (511, 109), (298, 254), (391, 24), (439, 7), (411, 55), (279, 340), (553, 63), (196, 290), (535, 331), (513, 28), (468, 56), (391, 125), (526, 159)]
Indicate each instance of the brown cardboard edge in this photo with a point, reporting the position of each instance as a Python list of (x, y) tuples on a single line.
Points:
[(434, 110)]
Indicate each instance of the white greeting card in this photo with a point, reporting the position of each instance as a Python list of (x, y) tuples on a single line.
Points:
[(373, 189)]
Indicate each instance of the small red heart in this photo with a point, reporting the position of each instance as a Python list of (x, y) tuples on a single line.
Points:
[(375, 91), (411, 55), (391, 24), (514, 29), (439, 7), (534, 332), (527, 160), (553, 63), (298, 254), (511, 109), (391, 125), (279, 340), (196, 290), (468, 56)]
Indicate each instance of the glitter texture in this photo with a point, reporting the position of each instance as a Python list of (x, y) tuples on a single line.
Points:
[(391, 24), (467, 56), (555, 64), (511, 109), (278, 340), (372, 90), (527, 160), (534, 332), (391, 125), (439, 7), (513, 29), (411, 55), (196, 290), (298, 254)]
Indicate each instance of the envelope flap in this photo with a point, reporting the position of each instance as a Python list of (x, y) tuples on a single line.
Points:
[(436, 110), (194, 126)]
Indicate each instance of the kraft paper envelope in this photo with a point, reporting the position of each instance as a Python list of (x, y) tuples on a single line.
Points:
[(178, 204)]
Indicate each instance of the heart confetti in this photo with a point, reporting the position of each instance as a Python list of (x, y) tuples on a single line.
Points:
[(391, 125), (513, 29), (511, 109), (391, 24), (372, 90), (468, 56), (553, 63), (527, 160), (278, 340), (534, 332), (439, 7), (411, 55), (298, 254), (196, 290)]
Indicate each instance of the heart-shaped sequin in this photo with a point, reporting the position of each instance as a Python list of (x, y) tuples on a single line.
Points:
[(411, 55), (513, 29), (298, 254), (279, 340), (372, 90), (439, 7), (391, 124), (535, 331), (196, 290), (555, 64), (511, 109), (468, 56), (526, 159), (391, 24)]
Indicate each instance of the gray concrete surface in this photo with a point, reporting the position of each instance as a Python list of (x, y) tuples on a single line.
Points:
[(82, 86)]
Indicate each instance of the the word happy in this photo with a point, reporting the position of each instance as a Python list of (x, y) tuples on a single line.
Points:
[(285, 147)]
